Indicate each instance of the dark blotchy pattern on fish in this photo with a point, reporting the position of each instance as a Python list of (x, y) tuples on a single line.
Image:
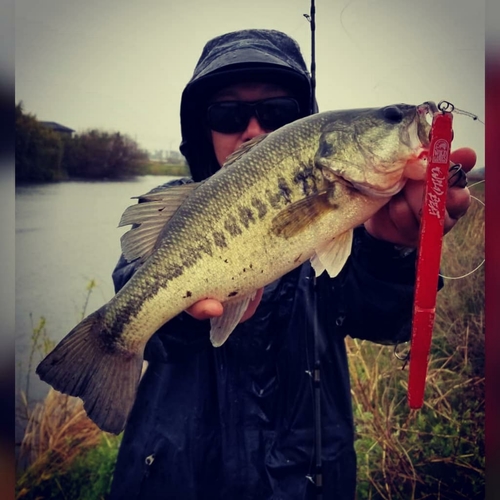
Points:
[(306, 179), (260, 206), (284, 190), (246, 216), (231, 226), (219, 239)]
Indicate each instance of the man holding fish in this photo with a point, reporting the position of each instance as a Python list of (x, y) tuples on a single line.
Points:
[(226, 407)]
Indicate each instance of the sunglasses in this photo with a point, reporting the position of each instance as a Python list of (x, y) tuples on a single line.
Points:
[(230, 117)]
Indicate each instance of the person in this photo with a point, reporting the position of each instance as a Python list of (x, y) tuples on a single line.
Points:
[(239, 422)]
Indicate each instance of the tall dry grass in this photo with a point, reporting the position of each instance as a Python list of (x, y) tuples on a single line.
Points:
[(436, 452), (59, 438), (58, 432)]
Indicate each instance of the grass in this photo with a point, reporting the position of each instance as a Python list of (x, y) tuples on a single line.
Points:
[(63, 454), (436, 452), (69, 456), (162, 168)]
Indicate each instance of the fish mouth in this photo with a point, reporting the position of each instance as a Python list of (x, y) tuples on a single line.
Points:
[(425, 113), (369, 190), (374, 192)]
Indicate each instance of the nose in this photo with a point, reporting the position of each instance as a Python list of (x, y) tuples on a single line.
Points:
[(254, 129)]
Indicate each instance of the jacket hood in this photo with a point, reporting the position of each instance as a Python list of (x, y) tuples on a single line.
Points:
[(241, 56)]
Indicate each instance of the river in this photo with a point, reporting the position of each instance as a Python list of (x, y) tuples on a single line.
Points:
[(66, 236)]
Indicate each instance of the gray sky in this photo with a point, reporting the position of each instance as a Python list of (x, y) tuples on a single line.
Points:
[(121, 65)]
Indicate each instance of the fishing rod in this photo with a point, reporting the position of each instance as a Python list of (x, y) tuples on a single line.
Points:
[(318, 481), (311, 17)]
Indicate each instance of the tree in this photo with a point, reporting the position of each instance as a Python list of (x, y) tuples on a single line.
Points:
[(45, 155), (39, 150), (98, 154)]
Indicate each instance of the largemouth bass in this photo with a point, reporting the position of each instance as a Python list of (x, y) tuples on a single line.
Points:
[(284, 198)]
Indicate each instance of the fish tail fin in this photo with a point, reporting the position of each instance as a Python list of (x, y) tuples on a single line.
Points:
[(87, 365)]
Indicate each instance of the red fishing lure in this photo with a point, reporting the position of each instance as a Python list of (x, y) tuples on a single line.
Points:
[(429, 252)]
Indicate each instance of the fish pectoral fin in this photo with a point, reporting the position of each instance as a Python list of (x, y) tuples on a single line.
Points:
[(333, 254), (224, 325), (150, 218), (300, 214)]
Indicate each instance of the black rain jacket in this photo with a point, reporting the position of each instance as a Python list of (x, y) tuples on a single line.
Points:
[(239, 422)]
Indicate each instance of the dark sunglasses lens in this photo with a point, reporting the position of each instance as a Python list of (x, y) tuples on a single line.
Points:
[(233, 116), (274, 113), (228, 117)]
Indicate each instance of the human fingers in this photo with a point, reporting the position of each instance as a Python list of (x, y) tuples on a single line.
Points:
[(206, 309), (398, 221), (457, 204), (458, 198), (211, 308), (464, 156)]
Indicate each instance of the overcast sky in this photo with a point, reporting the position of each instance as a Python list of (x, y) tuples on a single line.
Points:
[(121, 65)]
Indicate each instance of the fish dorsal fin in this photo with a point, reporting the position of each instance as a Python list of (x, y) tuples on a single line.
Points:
[(244, 149), (224, 325), (298, 215), (333, 254), (150, 218)]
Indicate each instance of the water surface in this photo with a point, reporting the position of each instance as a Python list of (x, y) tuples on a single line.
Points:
[(66, 236)]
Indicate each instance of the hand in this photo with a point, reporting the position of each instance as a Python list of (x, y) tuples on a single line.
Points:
[(399, 221), (211, 308)]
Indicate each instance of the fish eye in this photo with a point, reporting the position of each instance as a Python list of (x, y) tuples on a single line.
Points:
[(393, 114)]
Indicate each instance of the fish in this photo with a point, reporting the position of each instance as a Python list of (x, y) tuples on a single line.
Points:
[(283, 198)]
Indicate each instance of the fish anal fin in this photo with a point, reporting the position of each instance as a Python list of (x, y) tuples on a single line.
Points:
[(223, 326), (150, 218), (332, 255), (102, 375)]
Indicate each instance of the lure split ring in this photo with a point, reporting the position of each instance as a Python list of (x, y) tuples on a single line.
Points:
[(446, 107)]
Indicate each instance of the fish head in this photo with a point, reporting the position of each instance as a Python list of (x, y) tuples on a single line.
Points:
[(376, 150)]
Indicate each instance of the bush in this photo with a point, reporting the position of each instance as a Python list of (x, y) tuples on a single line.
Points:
[(39, 150), (96, 154), (44, 155)]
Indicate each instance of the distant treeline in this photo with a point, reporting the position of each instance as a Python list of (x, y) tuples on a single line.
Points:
[(43, 154)]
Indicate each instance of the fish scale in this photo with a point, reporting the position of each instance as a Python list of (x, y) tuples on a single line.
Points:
[(284, 198)]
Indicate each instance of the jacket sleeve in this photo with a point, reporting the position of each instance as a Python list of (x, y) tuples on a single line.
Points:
[(373, 295)]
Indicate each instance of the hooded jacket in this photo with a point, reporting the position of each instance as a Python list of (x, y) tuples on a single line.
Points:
[(247, 55), (240, 421)]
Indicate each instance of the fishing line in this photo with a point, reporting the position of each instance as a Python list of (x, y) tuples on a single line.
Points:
[(483, 261), (467, 113)]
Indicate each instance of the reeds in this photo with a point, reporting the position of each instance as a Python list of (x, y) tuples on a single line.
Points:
[(59, 437), (58, 432)]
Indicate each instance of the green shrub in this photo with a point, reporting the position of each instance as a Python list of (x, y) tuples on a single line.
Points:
[(87, 477)]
